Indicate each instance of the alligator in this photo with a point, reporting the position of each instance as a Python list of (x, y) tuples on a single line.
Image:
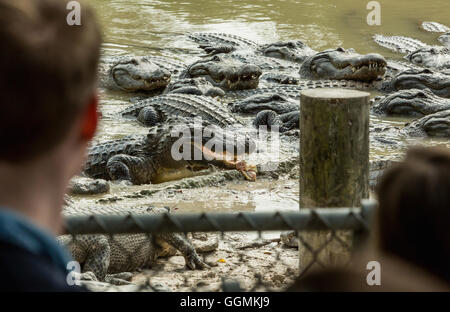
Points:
[(160, 108), (293, 91), (439, 28), (278, 102), (418, 52), (435, 27), (197, 86), (113, 258), (170, 151), (436, 82), (431, 57), (432, 125), (150, 73), (214, 43), (445, 39), (399, 44), (277, 122), (410, 103), (225, 73), (337, 64), (137, 73)]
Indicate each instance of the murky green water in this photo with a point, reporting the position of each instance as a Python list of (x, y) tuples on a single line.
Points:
[(320, 23), (144, 27)]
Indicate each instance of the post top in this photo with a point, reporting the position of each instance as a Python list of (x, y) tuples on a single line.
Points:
[(333, 93)]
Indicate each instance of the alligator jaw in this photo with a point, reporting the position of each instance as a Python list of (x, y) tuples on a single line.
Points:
[(343, 64)]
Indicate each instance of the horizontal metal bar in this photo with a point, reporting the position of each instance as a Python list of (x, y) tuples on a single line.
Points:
[(303, 220)]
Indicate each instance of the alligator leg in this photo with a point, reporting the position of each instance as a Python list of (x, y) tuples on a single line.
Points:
[(270, 119), (193, 261), (98, 257), (148, 116), (124, 167)]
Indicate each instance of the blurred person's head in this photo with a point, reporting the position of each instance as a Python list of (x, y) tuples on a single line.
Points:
[(396, 275), (413, 218), (48, 96)]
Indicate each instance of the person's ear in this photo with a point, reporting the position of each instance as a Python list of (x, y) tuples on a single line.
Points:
[(90, 118)]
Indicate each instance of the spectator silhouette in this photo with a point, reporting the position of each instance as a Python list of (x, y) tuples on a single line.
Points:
[(48, 115)]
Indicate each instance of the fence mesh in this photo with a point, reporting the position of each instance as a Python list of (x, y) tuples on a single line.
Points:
[(242, 251)]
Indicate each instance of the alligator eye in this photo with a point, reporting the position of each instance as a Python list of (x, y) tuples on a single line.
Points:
[(417, 59), (134, 62), (340, 49), (421, 94)]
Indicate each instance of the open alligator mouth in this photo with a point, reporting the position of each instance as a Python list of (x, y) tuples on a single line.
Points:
[(130, 83), (154, 83), (365, 69), (238, 82), (229, 160), (342, 64)]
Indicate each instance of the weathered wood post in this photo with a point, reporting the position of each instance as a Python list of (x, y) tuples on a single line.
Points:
[(334, 161)]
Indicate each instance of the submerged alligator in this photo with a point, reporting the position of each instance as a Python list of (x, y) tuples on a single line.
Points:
[(113, 258), (418, 52), (159, 109), (215, 43), (169, 151)]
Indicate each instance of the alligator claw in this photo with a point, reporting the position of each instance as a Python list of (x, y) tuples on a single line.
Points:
[(249, 171), (194, 262)]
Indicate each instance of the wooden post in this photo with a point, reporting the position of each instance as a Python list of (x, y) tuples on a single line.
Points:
[(334, 161)]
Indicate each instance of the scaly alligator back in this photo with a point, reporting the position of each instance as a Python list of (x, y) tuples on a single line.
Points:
[(223, 39), (99, 154), (293, 91), (187, 106)]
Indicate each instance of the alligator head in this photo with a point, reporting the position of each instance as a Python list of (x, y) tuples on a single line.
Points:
[(437, 83), (445, 39), (225, 73), (343, 64), (431, 57), (434, 125), (139, 74), (411, 102), (198, 145), (278, 103), (295, 51), (196, 86)]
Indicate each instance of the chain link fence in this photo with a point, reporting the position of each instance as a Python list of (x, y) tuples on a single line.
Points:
[(243, 251)]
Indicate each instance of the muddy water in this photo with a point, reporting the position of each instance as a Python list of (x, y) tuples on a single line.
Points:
[(144, 27)]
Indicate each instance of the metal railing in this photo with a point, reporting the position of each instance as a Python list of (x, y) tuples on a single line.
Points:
[(354, 220)]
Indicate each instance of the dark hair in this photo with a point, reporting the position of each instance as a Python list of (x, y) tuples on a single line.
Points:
[(48, 71), (413, 219)]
